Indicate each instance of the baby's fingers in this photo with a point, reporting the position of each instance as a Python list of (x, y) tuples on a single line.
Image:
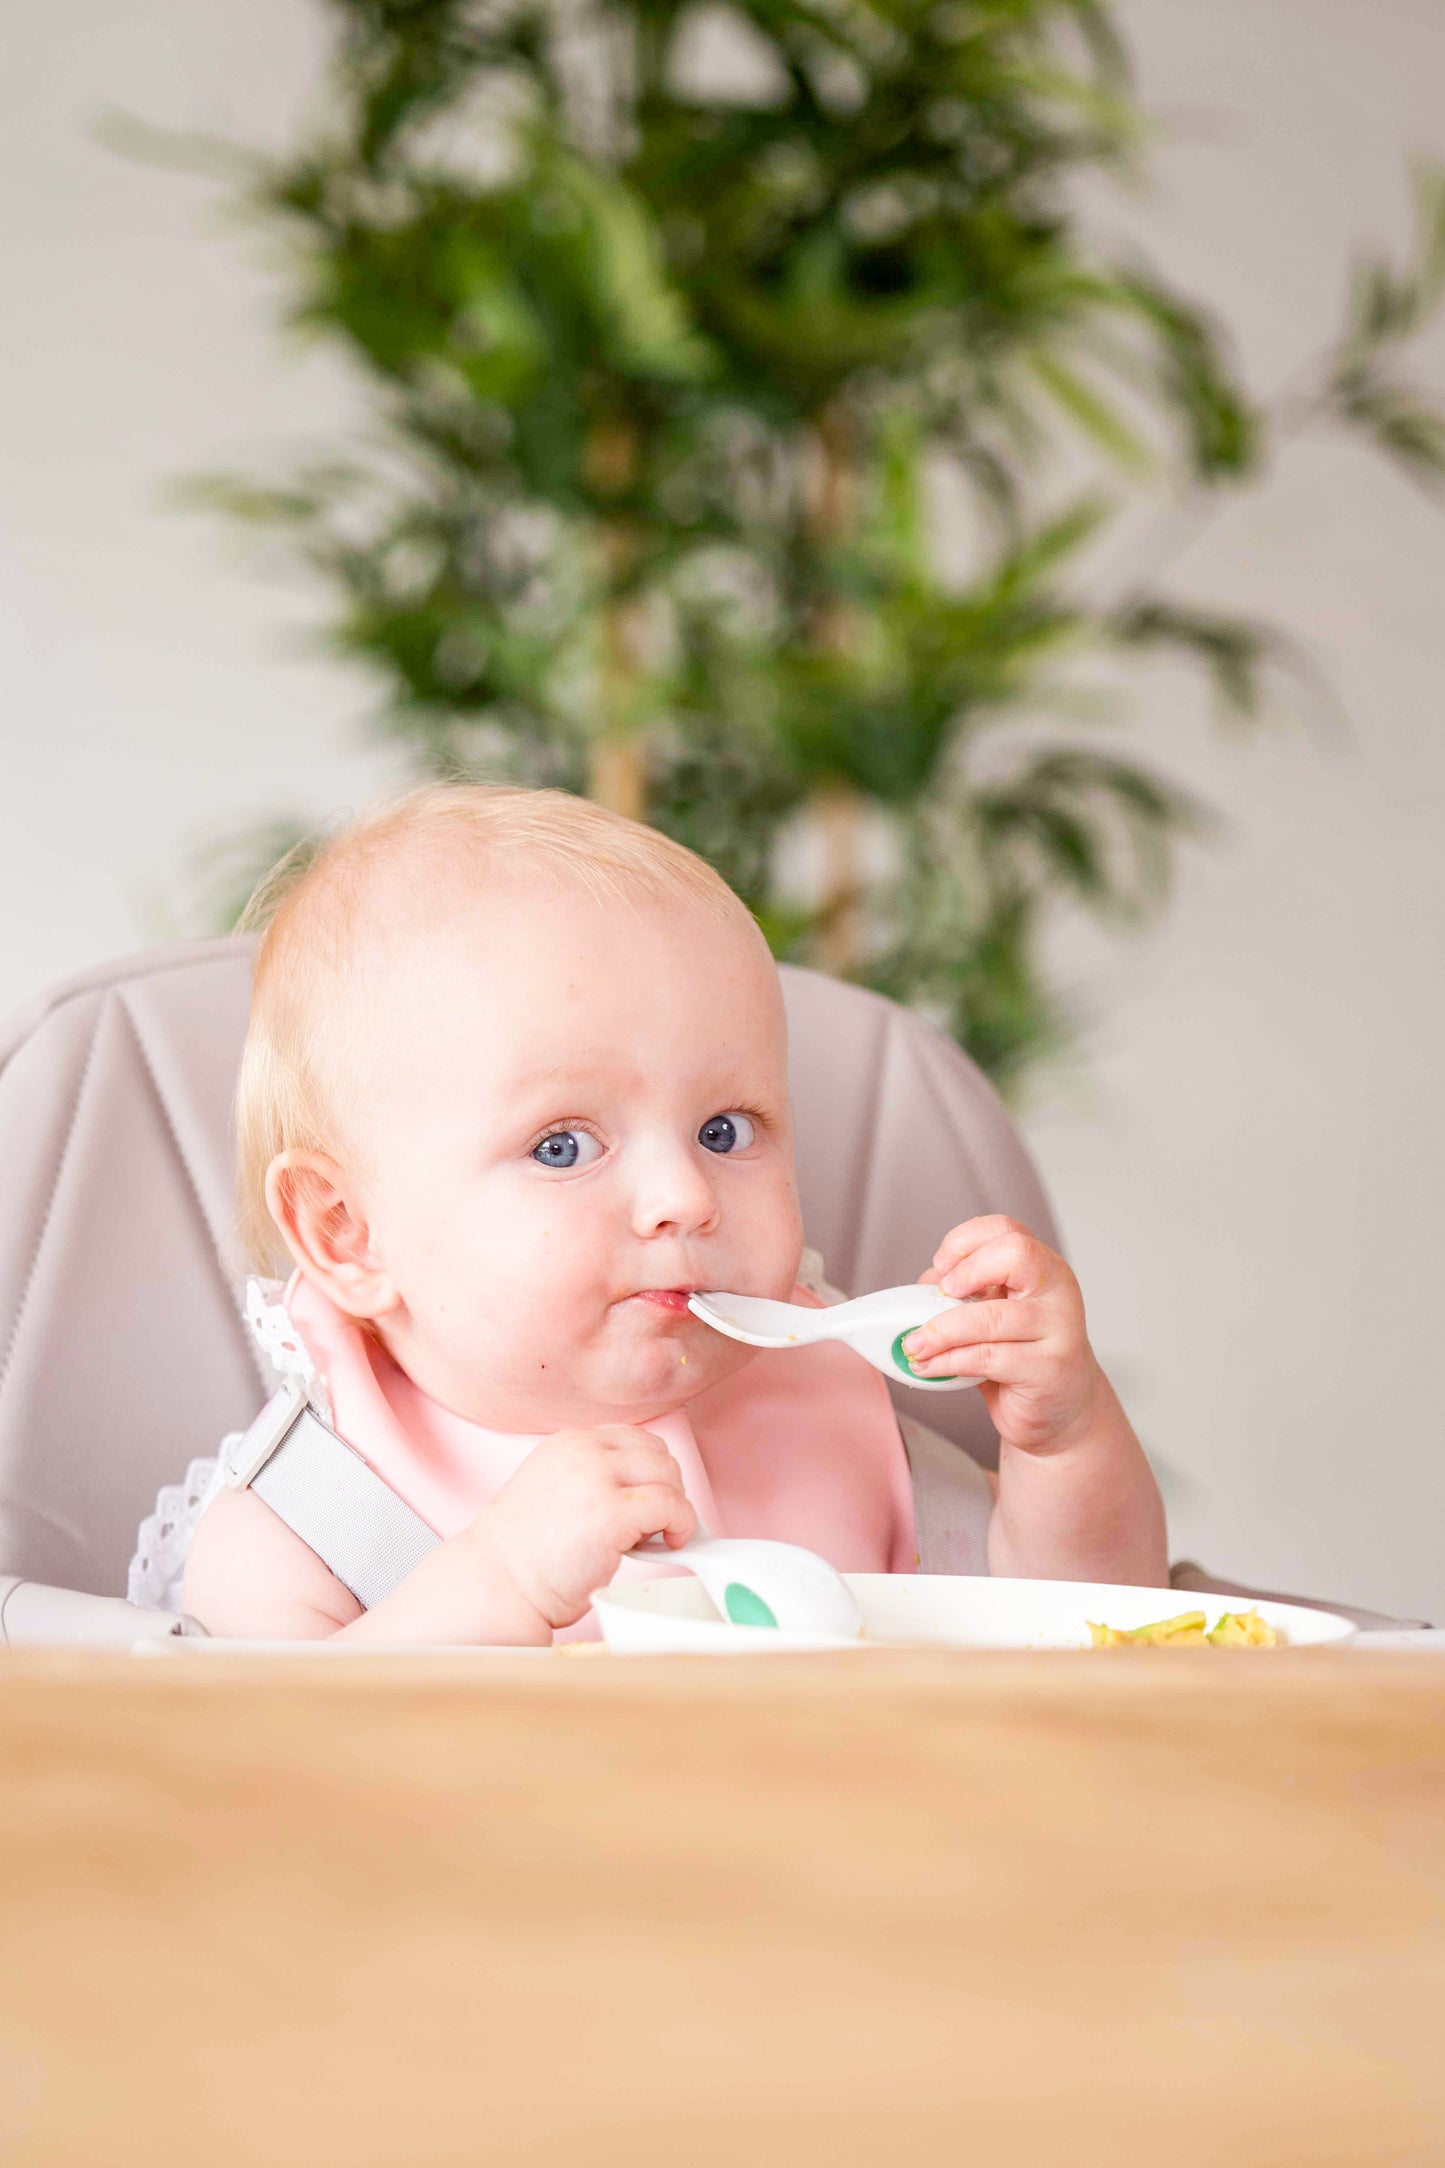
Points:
[(974, 1324), (933, 1276), (655, 1509), (1016, 1261), (970, 1235), (997, 1362), (641, 1458)]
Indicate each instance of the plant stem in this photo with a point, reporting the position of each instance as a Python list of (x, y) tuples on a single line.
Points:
[(836, 805), (617, 776), (837, 808), (616, 758)]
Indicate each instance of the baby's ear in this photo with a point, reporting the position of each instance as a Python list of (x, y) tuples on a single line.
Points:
[(323, 1222)]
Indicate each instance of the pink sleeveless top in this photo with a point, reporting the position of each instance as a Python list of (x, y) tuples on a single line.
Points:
[(801, 1445)]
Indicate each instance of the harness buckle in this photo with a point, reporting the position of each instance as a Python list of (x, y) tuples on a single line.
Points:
[(249, 1455)]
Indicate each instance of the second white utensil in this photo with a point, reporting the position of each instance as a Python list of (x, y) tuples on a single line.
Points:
[(754, 1582)]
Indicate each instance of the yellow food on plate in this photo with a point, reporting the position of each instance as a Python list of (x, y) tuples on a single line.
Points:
[(1235, 1630), (1245, 1630)]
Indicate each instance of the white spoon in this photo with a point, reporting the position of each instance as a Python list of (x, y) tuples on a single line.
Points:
[(757, 1583), (873, 1324)]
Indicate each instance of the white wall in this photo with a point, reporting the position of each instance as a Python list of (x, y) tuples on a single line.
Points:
[(1246, 1162), (1250, 1175), (152, 695)]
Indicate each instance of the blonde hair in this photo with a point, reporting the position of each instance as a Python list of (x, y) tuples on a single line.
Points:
[(312, 912)]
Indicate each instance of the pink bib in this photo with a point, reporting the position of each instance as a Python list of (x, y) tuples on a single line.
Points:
[(802, 1445)]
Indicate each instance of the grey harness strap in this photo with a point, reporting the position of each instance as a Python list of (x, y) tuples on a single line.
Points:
[(313, 1481)]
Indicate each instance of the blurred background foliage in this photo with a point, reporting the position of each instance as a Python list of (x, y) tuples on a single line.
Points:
[(677, 320)]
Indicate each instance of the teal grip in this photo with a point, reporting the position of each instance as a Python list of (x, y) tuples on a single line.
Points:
[(903, 1363), (745, 1608)]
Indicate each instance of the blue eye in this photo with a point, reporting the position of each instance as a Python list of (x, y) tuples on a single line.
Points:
[(726, 1133), (564, 1148)]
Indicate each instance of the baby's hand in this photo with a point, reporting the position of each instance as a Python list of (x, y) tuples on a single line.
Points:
[(1025, 1337), (579, 1500)]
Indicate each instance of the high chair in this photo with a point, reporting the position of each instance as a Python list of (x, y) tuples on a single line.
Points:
[(122, 1351)]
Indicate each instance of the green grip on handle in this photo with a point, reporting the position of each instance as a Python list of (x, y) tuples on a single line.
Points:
[(904, 1364), (745, 1608)]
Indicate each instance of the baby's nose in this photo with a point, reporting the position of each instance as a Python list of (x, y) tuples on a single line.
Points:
[(674, 1192)]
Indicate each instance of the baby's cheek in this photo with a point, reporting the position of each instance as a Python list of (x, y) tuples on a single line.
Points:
[(709, 1361), (538, 1312), (476, 1302)]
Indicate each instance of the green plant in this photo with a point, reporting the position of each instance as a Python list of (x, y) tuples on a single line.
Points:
[(661, 372)]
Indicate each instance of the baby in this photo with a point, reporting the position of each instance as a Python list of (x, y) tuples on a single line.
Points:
[(514, 1083)]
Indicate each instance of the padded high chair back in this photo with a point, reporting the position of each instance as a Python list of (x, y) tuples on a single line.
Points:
[(122, 1354)]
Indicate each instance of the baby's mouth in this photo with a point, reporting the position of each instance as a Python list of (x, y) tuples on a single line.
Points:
[(664, 1298)]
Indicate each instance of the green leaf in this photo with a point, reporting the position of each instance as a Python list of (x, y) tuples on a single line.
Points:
[(624, 263), (1405, 425), (602, 327), (1236, 651), (1093, 414)]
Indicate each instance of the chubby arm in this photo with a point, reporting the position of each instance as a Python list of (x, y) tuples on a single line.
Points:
[(1076, 1498), (248, 1574), (527, 1565), (1088, 1511)]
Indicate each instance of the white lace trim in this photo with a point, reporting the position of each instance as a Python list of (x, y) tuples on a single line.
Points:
[(280, 1342), (164, 1536)]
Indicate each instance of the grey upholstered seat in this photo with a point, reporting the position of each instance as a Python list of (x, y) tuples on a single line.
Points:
[(122, 1355)]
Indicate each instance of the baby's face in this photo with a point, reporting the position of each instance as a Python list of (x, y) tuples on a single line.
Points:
[(579, 1112)]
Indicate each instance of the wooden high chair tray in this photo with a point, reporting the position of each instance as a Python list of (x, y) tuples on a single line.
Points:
[(1167, 1908)]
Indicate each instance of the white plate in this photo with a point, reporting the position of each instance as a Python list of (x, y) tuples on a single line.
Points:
[(674, 1615)]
